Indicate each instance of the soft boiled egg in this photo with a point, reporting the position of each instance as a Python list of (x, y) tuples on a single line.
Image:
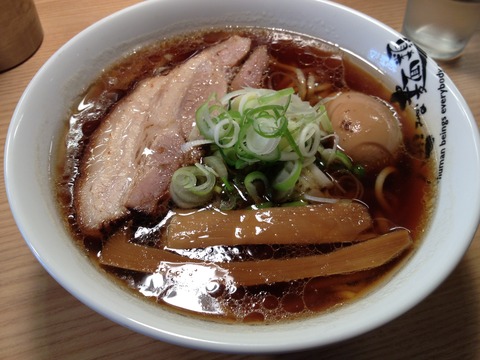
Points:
[(368, 129)]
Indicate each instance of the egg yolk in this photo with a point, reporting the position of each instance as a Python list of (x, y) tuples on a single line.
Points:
[(368, 129)]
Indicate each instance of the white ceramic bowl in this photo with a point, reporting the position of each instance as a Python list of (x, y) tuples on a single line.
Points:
[(37, 121)]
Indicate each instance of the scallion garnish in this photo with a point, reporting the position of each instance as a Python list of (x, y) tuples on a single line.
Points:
[(265, 136)]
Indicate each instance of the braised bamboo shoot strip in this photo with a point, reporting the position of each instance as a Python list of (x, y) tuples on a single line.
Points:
[(369, 254), (311, 224), (120, 253), (362, 256)]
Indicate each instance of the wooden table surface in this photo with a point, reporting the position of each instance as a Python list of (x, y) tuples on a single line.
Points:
[(40, 320)]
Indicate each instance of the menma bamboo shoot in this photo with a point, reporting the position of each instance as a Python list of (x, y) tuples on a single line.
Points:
[(343, 221), (366, 255)]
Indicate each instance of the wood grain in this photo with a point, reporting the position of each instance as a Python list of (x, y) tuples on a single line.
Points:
[(40, 320)]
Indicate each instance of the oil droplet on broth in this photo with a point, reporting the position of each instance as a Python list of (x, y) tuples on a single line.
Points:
[(193, 287)]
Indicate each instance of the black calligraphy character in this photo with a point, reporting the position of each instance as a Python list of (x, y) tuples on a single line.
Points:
[(399, 50), (413, 72)]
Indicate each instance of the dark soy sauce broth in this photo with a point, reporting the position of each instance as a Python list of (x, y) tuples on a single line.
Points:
[(176, 286)]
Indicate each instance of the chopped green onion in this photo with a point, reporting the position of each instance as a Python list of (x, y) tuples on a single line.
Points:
[(358, 170), (192, 186), (219, 168), (225, 133), (344, 159), (255, 131), (229, 155), (325, 122), (309, 140), (251, 184), (217, 165), (288, 176), (293, 144), (274, 96)]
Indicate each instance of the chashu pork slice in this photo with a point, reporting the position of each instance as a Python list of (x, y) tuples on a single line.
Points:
[(132, 155), (253, 70)]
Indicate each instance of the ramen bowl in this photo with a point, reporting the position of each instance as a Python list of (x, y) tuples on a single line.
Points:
[(40, 117)]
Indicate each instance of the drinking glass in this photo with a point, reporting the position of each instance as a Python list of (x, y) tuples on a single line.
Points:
[(441, 27)]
